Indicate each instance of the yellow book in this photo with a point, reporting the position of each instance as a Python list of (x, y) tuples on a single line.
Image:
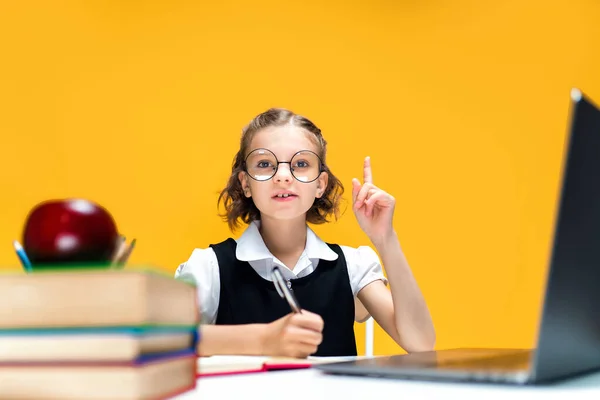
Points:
[(95, 298)]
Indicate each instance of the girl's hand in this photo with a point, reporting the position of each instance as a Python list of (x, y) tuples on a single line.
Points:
[(294, 335), (373, 207)]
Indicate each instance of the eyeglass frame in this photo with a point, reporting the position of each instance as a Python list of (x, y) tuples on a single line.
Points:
[(322, 167)]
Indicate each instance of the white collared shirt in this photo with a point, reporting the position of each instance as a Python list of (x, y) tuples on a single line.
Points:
[(202, 267)]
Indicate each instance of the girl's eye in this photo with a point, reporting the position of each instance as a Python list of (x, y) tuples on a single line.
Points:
[(264, 164), (302, 164)]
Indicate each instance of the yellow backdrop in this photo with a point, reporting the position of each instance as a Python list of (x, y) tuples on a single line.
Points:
[(462, 106)]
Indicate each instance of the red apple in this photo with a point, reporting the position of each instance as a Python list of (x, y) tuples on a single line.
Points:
[(69, 231)]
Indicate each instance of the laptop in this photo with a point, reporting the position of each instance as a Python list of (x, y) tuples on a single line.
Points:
[(568, 340)]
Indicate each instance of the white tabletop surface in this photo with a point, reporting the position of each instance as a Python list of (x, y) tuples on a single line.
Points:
[(311, 384)]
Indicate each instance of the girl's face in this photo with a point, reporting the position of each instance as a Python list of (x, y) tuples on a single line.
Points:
[(283, 196)]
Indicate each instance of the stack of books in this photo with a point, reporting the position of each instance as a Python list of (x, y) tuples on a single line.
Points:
[(97, 334)]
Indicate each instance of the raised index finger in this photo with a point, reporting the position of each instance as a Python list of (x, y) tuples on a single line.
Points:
[(368, 175)]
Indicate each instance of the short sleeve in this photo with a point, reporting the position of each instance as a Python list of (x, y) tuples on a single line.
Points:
[(202, 269), (364, 267)]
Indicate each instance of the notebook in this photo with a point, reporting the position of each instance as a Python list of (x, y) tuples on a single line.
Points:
[(230, 365)]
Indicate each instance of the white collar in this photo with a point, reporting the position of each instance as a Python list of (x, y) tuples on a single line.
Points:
[(251, 246)]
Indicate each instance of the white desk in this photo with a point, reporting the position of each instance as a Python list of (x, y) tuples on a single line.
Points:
[(310, 384)]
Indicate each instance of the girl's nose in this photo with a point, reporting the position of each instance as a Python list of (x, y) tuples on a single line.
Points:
[(283, 174)]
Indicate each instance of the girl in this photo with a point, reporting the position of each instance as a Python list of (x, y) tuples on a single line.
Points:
[(279, 182)]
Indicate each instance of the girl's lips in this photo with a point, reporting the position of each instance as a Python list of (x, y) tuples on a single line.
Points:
[(285, 199)]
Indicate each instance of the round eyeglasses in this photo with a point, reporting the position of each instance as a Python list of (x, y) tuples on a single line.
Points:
[(262, 165)]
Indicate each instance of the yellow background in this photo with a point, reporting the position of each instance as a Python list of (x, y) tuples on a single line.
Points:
[(462, 106)]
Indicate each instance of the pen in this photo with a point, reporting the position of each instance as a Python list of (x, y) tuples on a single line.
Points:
[(22, 256), (284, 291)]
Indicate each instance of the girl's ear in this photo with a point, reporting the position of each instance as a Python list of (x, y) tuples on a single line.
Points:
[(322, 184), (244, 182)]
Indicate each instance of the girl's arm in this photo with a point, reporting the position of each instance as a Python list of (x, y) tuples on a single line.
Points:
[(401, 311), (296, 335), (231, 339)]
